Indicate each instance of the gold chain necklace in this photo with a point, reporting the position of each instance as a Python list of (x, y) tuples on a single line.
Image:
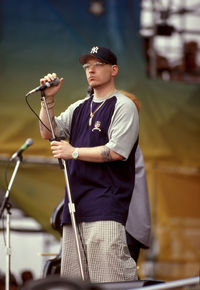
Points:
[(92, 113)]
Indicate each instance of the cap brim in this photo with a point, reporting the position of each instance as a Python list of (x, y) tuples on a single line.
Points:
[(84, 58)]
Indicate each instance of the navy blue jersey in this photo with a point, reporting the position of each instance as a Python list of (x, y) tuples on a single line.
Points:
[(100, 191)]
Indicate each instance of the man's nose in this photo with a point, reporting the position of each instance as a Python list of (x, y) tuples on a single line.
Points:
[(91, 68)]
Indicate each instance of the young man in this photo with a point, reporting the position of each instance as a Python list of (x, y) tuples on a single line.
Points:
[(102, 133)]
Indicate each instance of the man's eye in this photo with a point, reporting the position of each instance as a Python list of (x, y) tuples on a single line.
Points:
[(98, 64), (86, 66)]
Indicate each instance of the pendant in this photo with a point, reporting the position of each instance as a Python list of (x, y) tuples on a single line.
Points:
[(90, 119)]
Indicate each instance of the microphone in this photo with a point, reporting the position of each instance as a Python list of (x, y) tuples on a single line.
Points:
[(28, 143), (44, 86)]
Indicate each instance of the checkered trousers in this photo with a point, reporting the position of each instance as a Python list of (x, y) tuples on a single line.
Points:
[(105, 257)]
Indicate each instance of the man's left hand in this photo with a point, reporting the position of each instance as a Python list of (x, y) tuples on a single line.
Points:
[(62, 149)]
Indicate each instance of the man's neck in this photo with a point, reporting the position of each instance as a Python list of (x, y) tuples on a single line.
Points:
[(102, 93)]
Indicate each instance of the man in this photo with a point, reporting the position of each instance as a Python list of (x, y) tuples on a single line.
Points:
[(103, 135), (138, 224)]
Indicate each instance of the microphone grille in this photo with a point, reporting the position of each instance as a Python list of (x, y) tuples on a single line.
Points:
[(56, 81), (29, 142)]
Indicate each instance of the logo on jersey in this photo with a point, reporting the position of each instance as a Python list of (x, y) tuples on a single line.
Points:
[(94, 49), (97, 126)]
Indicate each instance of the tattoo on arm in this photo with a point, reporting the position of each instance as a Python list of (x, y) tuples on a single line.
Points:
[(53, 122), (106, 156)]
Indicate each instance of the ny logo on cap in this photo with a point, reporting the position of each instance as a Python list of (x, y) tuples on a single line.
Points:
[(94, 49)]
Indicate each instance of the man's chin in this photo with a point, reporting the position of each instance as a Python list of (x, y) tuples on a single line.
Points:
[(94, 85)]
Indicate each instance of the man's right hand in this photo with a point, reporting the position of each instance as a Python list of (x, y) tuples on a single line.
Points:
[(52, 91)]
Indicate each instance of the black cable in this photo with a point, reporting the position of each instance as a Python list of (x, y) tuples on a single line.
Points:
[(5, 173), (26, 98), (3, 230)]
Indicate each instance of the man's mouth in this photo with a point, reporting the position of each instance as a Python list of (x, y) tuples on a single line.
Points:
[(91, 78)]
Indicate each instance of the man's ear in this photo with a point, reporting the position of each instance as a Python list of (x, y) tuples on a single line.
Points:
[(115, 70)]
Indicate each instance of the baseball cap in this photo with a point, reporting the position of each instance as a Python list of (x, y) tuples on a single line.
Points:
[(102, 53)]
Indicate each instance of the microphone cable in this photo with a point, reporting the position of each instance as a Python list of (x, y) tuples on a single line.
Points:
[(34, 112)]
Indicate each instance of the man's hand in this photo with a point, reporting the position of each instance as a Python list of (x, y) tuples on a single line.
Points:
[(52, 91), (62, 149)]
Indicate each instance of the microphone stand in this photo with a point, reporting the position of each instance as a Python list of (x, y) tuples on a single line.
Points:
[(6, 205), (71, 205)]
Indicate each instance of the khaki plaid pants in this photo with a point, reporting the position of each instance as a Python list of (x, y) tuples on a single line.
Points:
[(105, 257)]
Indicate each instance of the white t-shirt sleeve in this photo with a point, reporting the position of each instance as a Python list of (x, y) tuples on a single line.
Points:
[(124, 128), (64, 120)]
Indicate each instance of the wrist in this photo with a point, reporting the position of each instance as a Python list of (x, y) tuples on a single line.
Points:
[(49, 102), (49, 98), (75, 153)]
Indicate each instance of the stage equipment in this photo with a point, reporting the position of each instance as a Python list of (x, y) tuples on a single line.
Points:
[(28, 143), (58, 283), (6, 205), (61, 283), (178, 284), (128, 285), (52, 266)]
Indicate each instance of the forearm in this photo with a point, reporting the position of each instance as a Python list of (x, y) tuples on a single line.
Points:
[(45, 133), (98, 154)]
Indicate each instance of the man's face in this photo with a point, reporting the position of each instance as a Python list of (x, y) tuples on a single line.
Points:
[(98, 73)]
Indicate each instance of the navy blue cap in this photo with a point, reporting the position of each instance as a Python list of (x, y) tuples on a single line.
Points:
[(102, 53)]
